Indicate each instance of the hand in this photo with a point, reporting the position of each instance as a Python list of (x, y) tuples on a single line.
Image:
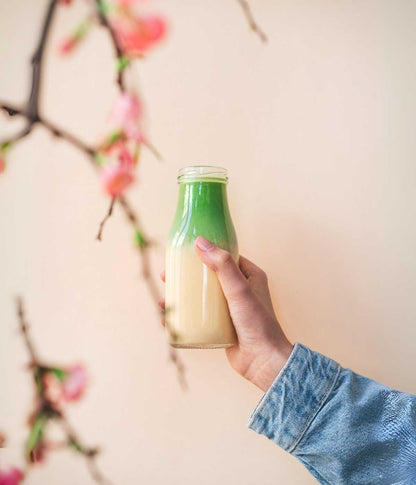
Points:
[(262, 348)]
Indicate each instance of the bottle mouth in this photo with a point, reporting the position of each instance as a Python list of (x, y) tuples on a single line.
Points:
[(203, 172)]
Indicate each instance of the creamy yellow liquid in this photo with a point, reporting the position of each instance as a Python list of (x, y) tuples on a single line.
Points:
[(197, 314)]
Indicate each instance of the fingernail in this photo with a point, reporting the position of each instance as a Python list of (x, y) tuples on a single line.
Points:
[(203, 243)]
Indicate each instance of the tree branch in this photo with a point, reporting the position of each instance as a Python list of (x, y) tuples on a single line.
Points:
[(251, 22), (102, 17), (33, 117), (37, 58), (107, 216), (24, 331), (54, 411), (90, 454)]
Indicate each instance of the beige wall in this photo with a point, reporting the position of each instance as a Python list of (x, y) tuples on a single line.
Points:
[(317, 131)]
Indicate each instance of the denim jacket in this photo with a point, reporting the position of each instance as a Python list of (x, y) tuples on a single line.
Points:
[(343, 427)]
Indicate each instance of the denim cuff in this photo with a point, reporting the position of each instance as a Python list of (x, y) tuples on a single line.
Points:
[(296, 396)]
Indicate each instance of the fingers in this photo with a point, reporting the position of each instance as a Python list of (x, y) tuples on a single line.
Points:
[(231, 278), (257, 280), (251, 271)]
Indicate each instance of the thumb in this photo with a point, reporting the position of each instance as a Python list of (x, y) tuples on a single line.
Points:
[(232, 280)]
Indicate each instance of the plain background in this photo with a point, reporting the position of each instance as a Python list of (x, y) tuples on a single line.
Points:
[(317, 129)]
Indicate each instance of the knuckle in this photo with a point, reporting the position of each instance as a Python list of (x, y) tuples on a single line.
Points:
[(261, 275), (224, 258)]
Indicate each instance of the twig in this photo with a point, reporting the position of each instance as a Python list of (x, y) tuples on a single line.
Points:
[(90, 454), (180, 368), (147, 275), (251, 22), (107, 216), (32, 111), (24, 330), (153, 149), (102, 17), (51, 127)]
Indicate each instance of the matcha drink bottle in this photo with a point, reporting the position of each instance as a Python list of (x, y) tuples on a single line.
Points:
[(196, 310)]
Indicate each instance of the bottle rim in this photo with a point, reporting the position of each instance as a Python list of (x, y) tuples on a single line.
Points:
[(202, 172)]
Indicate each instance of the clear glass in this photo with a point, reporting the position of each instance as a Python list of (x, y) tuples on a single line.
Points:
[(197, 314)]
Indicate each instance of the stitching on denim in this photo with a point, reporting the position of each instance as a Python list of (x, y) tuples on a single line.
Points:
[(277, 381), (315, 410)]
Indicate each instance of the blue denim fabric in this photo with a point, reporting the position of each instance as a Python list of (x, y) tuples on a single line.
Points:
[(345, 428)]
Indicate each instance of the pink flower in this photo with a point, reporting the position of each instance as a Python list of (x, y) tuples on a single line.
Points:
[(53, 388), (67, 45), (12, 477), (2, 165), (125, 158), (128, 3), (126, 110), (74, 383), (136, 36), (116, 178), (126, 115)]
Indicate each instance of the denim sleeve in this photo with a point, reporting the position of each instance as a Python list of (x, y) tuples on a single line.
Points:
[(343, 427)]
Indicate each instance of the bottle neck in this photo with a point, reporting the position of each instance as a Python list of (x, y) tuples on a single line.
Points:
[(201, 196)]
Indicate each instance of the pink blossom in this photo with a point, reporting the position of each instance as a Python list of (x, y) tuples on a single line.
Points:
[(116, 178), (125, 158), (2, 165), (74, 383), (12, 477), (127, 109), (136, 36), (128, 3), (67, 45), (126, 115), (53, 388)]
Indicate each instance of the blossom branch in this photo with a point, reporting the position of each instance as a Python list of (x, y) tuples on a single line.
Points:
[(132, 217), (32, 109), (24, 331), (251, 22), (102, 17), (55, 130), (47, 409), (107, 216), (31, 112)]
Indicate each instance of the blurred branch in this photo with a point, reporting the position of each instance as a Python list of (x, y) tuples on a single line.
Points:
[(31, 112), (102, 17), (44, 405), (107, 216), (90, 454), (251, 22), (51, 127), (32, 115), (24, 331)]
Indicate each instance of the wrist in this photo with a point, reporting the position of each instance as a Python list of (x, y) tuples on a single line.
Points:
[(273, 362)]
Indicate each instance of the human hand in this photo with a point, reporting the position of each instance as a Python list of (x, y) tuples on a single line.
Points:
[(262, 348)]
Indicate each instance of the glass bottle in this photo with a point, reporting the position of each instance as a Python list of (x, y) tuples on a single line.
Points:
[(197, 314)]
